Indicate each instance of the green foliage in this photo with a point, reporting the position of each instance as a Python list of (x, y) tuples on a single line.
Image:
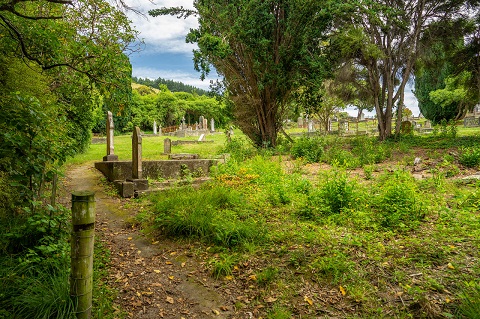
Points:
[(262, 64), (239, 149), (215, 215), (172, 86), (369, 151), (397, 203), (310, 149), (336, 193), (333, 268), (470, 300), (223, 265), (266, 276), (469, 156)]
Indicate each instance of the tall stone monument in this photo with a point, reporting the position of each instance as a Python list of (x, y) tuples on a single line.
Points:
[(110, 148), (212, 125), (200, 122), (137, 172), (155, 127)]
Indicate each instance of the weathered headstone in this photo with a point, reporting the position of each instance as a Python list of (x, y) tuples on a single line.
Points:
[(159, 130), (167, 146), (205, 124), (300, 122), (155, 127), (200, 122), (212, 125), (110, 148), (137, 172), (311, 127), (428, 124), (183, 126), (406, 127), (201, 138), (470, 121), (137, 154)]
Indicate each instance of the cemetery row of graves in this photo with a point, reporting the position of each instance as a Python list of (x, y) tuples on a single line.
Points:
[(328, 226), (336, 226)]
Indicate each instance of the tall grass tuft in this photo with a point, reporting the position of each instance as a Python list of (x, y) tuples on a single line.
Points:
[(213, 214)]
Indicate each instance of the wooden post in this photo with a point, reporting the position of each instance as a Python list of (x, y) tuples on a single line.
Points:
[(81, 278)]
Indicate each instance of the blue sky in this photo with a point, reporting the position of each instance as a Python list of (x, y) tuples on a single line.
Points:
[(165, 53)]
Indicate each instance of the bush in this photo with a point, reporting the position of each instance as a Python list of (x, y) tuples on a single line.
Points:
[(310, 149), (239, 149), (336, 194), (470, 156), (397, 202)]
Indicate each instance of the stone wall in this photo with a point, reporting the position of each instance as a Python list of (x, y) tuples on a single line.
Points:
[(167, 169)]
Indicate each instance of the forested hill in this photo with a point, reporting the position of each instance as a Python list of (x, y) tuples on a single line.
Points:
[(173, 86)]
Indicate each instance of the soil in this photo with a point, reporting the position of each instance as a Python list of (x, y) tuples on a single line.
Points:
[(153, 279)]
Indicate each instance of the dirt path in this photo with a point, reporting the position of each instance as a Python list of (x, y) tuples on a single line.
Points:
[(154, 280)]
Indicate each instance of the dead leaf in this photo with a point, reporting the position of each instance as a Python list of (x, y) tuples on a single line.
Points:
[(228, 277), (168, 263), (171, 277), (270, 299), (183, 264), (342, 290), (170, 300), (129, 238), (216, 312), (450, 266), (252, 277), (157, 271), (307, 299)]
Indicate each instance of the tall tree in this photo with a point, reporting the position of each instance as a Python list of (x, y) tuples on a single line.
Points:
[(264, 49), (384, 36)]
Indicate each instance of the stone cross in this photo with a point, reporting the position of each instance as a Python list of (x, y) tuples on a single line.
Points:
[(110, 130), (137, 172), (155, 127), (212, 125), (167, 146)]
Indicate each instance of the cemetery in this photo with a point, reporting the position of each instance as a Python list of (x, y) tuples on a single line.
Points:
[(322, 160)]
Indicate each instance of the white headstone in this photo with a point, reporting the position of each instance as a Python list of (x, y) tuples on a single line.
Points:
[(212, 125), (155, 127), (201, 138)]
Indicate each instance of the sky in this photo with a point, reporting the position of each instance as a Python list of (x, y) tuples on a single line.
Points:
[(165, 54)]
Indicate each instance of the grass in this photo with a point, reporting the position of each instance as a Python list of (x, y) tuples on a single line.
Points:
[(363, 239)]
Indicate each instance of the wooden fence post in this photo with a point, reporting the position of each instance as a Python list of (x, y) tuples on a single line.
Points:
[(81, 277)]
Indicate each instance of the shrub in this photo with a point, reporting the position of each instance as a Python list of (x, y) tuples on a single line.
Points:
[(335, 194), (397, 202), (470, 156), (239, 149), (308, 148)]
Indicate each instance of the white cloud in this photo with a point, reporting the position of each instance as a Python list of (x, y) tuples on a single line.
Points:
[(179, 76), (163, 33)]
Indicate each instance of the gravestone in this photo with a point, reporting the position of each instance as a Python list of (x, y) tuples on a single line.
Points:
[(137, 172), (470, 121), (155, 127), (110, 148), (428, 124), (300, 122), (212, 125), (183, 125), (201, 138), (406, 127), (159, 130), (200, 122), (311, 127), (167, 146), (205, 124)]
